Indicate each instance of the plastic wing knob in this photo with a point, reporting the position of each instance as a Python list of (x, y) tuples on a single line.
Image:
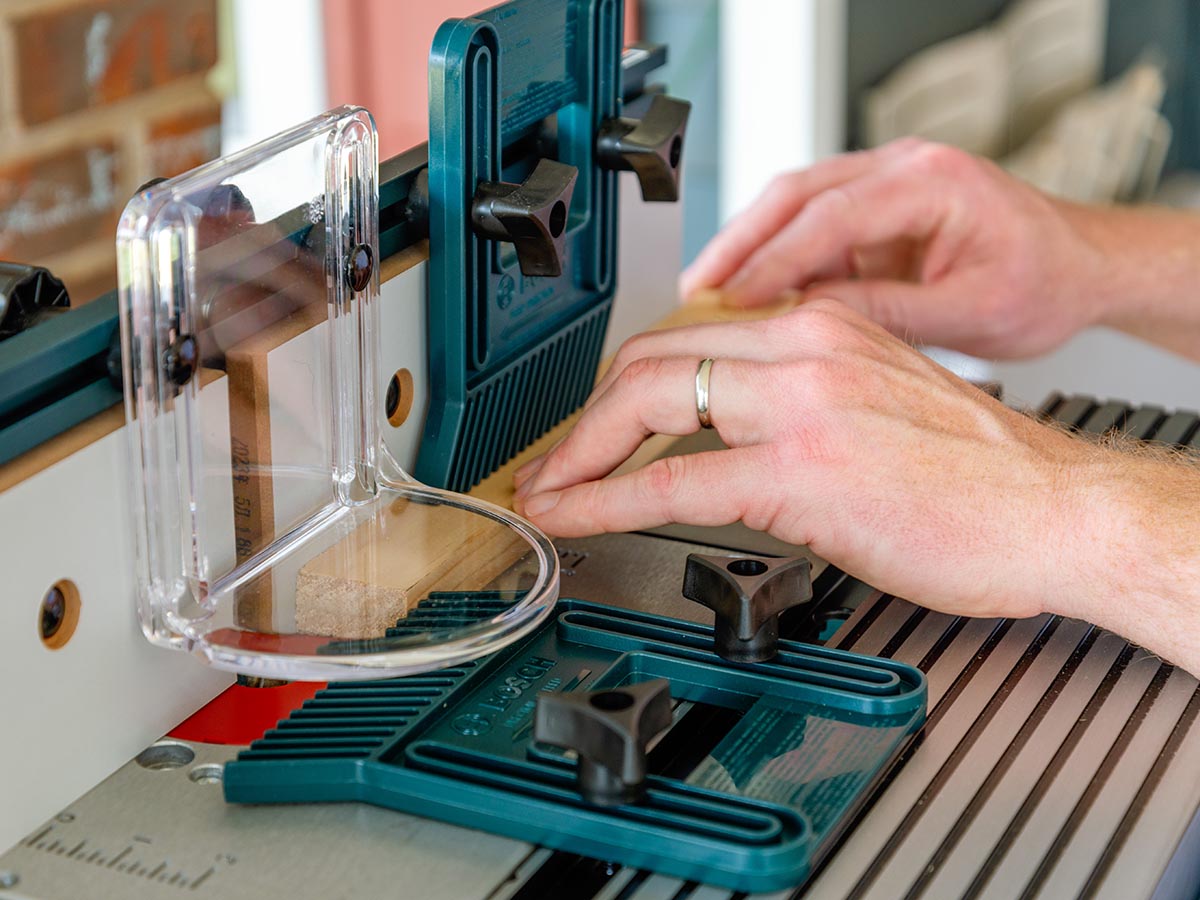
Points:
[(28, 294), (747, 594), (532, 215), (609, 730), (652, 146)]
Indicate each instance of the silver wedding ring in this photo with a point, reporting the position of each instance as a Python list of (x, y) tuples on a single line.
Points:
[(702, 376)]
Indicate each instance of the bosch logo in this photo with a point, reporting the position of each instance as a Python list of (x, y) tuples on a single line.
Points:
[(472, 724)]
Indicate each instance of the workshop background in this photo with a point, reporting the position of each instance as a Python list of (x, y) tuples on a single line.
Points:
[(1093, 99)]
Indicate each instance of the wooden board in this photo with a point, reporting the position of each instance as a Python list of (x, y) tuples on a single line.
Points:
[(250, 456), (363, 584)]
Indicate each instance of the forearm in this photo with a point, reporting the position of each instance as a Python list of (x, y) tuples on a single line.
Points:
[(1137, 551), (1146, 277)]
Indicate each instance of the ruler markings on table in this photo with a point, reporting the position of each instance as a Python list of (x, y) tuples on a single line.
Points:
[(119, 863)]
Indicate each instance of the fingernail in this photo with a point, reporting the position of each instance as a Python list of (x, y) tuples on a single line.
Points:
[(541, 504), (524, 485), (526, 469)]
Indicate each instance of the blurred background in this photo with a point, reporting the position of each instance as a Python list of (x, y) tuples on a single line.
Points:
[(1091, 99)]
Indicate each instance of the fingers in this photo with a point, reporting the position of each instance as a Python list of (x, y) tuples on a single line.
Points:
[(783, 198), (885, 205), (652, 396), (763, 341), (531, 467), (527, 470), (758, 341), (714, 488), (793, 335), (909, 311)]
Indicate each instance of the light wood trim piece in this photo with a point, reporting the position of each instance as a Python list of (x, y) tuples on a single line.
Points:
[(247, 369)]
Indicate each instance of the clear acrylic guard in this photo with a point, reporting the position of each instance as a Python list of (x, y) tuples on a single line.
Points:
[(275, 535)]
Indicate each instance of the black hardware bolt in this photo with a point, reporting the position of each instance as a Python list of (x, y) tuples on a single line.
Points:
[(359, 268), (181, 359)]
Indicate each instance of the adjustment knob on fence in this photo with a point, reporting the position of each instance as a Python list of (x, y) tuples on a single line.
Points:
[(532, 215), (651, 146), (28, 294), (747, 593), (609, 730)]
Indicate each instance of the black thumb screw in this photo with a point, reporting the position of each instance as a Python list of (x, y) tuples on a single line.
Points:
[(609, 729)]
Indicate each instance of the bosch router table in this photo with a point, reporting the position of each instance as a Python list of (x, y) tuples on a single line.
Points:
[(330, 366)]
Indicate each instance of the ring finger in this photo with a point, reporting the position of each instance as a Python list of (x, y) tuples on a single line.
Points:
[(652, 396), (764, 341)]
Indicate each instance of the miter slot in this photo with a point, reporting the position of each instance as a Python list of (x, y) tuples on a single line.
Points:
[(1143, 422), (1177, 428), (1105, 418), (1148, 423), (1050, 404), (567, 876), (1073, 411)]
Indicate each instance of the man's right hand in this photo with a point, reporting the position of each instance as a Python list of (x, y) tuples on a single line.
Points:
[(845, 439), (935, 244)]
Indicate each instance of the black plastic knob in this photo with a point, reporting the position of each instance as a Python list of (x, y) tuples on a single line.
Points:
[(225, 211), (28, 295), (747, 593), (531, 215), (651, 146), (609, 730)]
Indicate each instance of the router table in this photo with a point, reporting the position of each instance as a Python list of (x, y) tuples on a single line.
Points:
[(684, 713)]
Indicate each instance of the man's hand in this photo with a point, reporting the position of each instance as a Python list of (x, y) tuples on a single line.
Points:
[(945, 248), (845, 439)]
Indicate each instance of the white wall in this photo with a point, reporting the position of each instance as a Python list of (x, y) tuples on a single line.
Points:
[(782, 92), (279, 60)]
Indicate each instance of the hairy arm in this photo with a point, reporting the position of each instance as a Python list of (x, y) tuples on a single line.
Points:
[(1141, 510), (1149, 282)]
